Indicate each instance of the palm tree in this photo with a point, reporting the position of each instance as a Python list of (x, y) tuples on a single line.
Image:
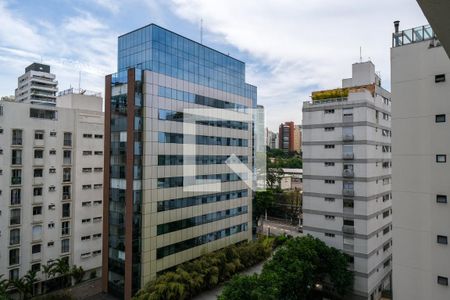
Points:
[(48, 270), (77, 273), (19, 285), (62, 269), (29, 281), (4, 284)]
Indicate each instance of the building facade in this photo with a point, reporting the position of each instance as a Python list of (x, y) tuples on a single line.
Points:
[(347, 175), (51, 181), (420, 92), (271, 139), (153, 223), (37, 85), (286, 136)]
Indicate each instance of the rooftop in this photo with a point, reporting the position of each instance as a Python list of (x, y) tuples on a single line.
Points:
[(38, 67), (75, 91), (413, 35)]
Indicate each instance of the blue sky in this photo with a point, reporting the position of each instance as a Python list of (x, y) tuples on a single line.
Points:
[(291, 47)]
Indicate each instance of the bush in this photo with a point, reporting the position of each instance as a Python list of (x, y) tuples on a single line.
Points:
[(206, 272)]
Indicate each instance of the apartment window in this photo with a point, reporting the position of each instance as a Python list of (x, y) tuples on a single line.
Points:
[(98, 152), (96, 252), (329, 181), (37, 210), (98, 169), (52, 152), (386, 197), (329, 217), (349, 223), (441, 198), (386, 246), (386, 181), (66, 175), (16, 198), (68, 139), (38, 153), (86, 203), (16, 137), (329, 146), (87, 186), (329, 111), (439, 78), (37, 191), (65, 228), (36, 267), (386, 116), (16, 157), (85, 153), (87, 170), (386, 230), (51, 206), (13, 274), (52, 188), (97, 235), (327, 234), (442, 280), (16, 176), (97, 219), (329, 199), (67, 157), (87, 135), (66, 210), (98, 186), (53, 133), (52, 170), (14, 216), (441, 158), (98, 136), (1, 130), (14, 257), (51, 225), (14, 237), (66, 192), (329, 164), (348, 203), (39, 135), (329, 128), (386, 214), (387, 263), (442, 239), (38, 172), (86, 237), (83, 221), (65, 244), (440, 118), (36, 249), (97, 202), (50, 244)]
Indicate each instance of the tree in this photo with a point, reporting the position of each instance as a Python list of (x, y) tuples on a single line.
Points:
[(4, 285), (29, 280), (294, 202), (61, 269), (19, 285), (77, 273), (48, 271), (263, 201), (274, 177)]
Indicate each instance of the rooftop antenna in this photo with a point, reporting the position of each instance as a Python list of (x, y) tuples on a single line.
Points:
[(201, 31), (79, 80), (360, 54)]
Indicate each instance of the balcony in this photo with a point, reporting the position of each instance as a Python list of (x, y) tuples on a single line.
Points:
[(67, 161), (16, 142), (348, 210), (38, 218), (66, 197), (347, 173), (347, 137), (38, 199), (349, 192), (347, 229), (39, 143), (348, 156)]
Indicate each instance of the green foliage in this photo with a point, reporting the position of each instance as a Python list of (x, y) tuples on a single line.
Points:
[(293, 273), (4, 284), (205, 272), (77, 273), (263, 200)]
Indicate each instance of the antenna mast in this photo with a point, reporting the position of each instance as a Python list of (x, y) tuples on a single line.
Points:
[(201, 31), (79, 80)]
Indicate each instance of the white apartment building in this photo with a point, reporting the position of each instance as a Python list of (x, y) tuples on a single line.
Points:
[(37, 85), (347, 175), (51, 185), (420, 110)]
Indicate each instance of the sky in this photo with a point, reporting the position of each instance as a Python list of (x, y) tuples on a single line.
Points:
[(291, 47)]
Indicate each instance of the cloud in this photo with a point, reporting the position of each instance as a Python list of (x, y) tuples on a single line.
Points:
[(302, 45), (84, 23), (111, 5)]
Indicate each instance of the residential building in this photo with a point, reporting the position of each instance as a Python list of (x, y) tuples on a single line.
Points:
[(298, 138), (271, 139), (51, 182), (153, 219), (291, 179), (286, 137), (37, 85), (420, 91), (347, 175)]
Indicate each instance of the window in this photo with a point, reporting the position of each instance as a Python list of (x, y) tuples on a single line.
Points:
[(386, 116), (38, 172), (98, 169), (86, 237), (440, 118), (14, 216), (329, 199), (52, 170), (16, 137), (329, 111), (85, 153), (50, 244), (387, 263), (98, 186), (37, 191), (98, 152), (52, 152), (39, 135), (16, 157), (87, 186), (97, 202), (386, 230), (66, 192), (441, 158), (51, 206), (67, 157), (386, 246), (65, 228), (386, 197), (327, 234), (66, 175), (97, 219), (87, 170), (96, 252), (37, 210), (386, 181), (329, 217), (329, 181), (329, 164), (441, 198), (349, 223), (38, 153), (348, 203), (86, 203), (14, 257), (329, 128), (65, 244), (42, 114), (16, 176), (97, 235), (386, 214), (442, 239), (83, 221), (329, 146), (16, 198), (53, 133), (439, 78), (87, 135), (68, 139), (98, 136), (442, 280), (36, 249), (13, 274), (66, 210), (14, 237), (51, 225)]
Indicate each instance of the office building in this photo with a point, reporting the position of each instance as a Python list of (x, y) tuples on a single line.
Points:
[(347, 175), (271, 139), (155, 222), (51, 182), (420, 109), (298, 138), (37, 85), (289, 137)]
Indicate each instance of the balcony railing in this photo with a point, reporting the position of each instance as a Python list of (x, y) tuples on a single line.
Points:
[(349, 192), (347, 137), (414, 35), (16, 142), (348, 247), (348, 155), (348, 229), (16, 180), (347, 173)]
